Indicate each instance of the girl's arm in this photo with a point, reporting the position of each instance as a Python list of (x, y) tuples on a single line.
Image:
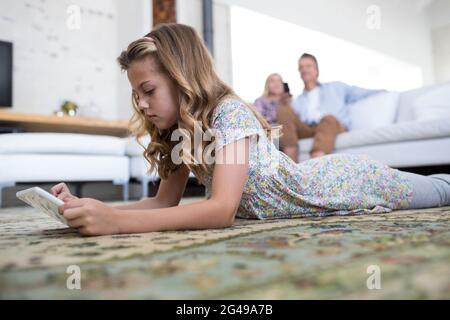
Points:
[(169, 192), (216, 212), (92, 217)]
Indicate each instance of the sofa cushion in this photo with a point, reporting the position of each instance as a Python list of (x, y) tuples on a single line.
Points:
[(406, 131), (408, 98), (139, 168), (429, 152), (40, 167), (375, 111), (132, 148), (61, 143), (432, 104)]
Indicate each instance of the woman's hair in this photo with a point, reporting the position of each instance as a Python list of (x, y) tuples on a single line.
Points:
[(266, 84), (178, 52)]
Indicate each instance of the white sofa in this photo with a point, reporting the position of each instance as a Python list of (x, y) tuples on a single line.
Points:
[(53, 157), (138, 165), (407, 129)]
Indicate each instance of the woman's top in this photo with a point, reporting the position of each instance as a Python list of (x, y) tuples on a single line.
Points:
[(267, 108)]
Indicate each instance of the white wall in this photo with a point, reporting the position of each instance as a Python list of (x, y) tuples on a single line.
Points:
[(190, 12), (404, 33), (53, 63), (439, 15), (134, 21), (222, 42), (441, 53)]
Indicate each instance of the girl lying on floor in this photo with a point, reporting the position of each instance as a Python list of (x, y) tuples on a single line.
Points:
[(177, 96)]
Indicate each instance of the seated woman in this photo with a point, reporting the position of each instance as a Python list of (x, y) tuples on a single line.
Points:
[(273, 93)]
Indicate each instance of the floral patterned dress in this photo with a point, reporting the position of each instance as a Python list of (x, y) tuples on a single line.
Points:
[(277, 187)]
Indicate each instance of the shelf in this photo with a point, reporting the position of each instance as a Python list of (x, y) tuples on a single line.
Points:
[(43, 123)]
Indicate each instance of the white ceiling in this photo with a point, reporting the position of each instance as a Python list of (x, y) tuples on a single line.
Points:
[(422, 5)]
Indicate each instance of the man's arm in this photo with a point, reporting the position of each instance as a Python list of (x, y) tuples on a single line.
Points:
[(354, 93)]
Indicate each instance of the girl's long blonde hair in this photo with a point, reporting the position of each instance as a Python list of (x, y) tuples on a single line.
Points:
[(178, 52)]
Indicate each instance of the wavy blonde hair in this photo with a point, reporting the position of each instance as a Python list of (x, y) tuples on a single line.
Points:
[(178, 52)]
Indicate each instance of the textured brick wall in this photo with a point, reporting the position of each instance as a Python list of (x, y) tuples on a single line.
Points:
[(53, 62)]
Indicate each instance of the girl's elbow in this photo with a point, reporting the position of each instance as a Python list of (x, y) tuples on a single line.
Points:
[(230, 216), (227, 213), (228, 221)]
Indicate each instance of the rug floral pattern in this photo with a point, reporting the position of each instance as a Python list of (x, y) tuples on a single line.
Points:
[(307, 258)]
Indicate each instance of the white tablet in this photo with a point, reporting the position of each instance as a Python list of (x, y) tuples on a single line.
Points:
[(42, 200)]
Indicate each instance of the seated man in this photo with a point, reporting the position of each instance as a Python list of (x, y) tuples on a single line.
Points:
[(320, 111)]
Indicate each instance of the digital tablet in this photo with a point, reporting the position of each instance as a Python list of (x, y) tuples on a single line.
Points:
[(43, 201)]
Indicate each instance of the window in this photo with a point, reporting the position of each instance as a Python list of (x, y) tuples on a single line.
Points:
[(262, 45)]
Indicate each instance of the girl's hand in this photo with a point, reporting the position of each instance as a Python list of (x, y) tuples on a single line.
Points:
[(91, 217), (61, 191)]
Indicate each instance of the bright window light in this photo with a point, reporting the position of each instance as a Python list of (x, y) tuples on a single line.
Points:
[(262, 45)]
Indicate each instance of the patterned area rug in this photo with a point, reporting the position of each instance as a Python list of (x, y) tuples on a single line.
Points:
[(403, 254)]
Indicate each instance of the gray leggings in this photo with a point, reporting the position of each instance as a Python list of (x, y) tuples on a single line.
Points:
[(429, 191)]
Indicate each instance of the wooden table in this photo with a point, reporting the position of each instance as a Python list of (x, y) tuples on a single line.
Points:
[(44, 123)]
